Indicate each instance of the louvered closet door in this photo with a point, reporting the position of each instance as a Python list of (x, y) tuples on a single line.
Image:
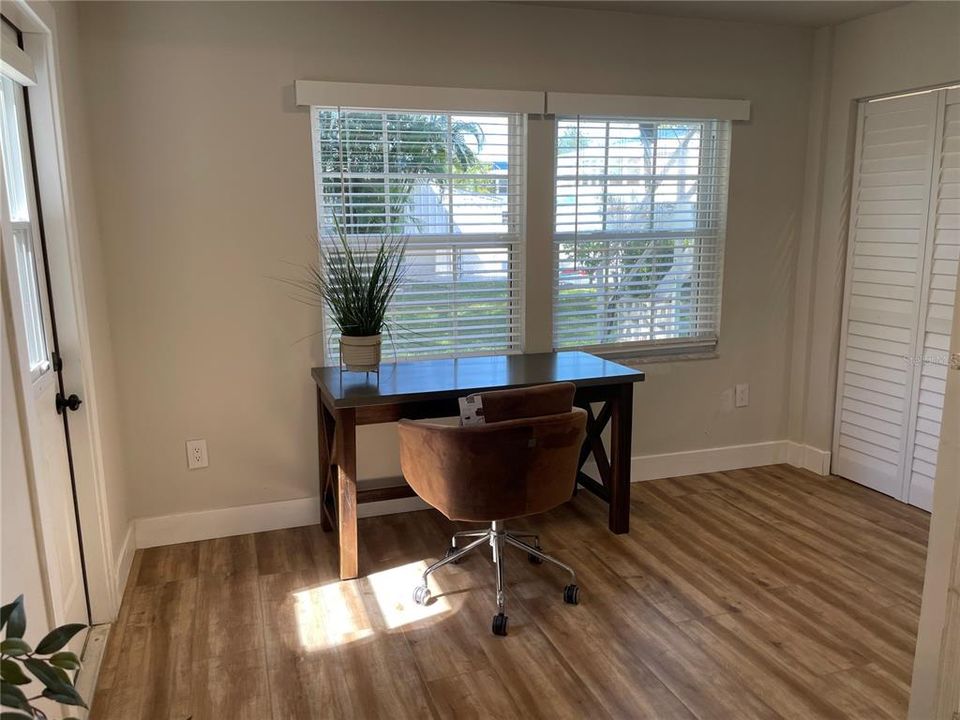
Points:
[(939, 293), (889, 210)]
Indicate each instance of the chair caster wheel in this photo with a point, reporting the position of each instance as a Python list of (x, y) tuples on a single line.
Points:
[(421, 595), (534, 559), (571, 595), (500, 624), (451, 551)]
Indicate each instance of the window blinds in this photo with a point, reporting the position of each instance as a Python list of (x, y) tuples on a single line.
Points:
[(639, 226), (451, 184)]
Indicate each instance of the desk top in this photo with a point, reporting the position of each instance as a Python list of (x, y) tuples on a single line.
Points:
[(430, 379)]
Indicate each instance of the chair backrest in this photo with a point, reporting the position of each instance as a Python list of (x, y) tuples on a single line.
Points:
[(522, 461), (530, 402)]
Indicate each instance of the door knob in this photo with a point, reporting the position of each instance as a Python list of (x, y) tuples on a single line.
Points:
[(71, 403)]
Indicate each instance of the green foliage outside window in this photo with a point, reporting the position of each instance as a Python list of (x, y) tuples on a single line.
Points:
[(371, 161)]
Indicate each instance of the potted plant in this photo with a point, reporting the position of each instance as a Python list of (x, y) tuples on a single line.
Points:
[(48, 663), (356, 281)]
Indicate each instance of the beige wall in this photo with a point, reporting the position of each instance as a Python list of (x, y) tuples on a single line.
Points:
[(204, 191), (105, 415), (909, 47)]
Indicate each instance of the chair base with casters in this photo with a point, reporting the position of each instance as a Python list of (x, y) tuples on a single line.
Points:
[(498, 539)]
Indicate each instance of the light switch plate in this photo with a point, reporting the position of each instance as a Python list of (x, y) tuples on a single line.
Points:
[(196, 454)]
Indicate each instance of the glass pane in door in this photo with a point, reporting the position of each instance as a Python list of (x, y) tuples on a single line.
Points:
[(15, 173)]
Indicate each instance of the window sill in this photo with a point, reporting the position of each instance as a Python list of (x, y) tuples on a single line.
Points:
[(640, 359), (637, 357)]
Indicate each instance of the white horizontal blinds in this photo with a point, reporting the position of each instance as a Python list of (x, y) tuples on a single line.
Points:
[(884, 275), (943, 233), (451, 183), (639, 224)]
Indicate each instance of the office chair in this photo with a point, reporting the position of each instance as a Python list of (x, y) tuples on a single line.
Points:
[(521, 461)]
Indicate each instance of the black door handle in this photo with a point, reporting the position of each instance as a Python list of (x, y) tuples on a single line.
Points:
[(70, 403)]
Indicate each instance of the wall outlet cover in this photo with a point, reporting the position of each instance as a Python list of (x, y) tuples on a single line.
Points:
[(196, 454)]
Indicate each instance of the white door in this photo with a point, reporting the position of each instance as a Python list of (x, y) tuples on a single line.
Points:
[(888, 211), (898, 300), (939, 291), (25, 287)]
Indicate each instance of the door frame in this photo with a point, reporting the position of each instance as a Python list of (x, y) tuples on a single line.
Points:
[(37, 23)]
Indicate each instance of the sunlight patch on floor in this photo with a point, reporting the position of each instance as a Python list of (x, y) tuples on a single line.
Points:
[(336, 613), (331, 615), (393, 590)]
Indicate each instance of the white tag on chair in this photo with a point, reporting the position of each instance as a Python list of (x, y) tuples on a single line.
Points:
[(471, 410)]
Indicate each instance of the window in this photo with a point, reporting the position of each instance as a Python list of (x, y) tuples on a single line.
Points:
[(19, 206), (451, 184), (639, 212), (638, 233)]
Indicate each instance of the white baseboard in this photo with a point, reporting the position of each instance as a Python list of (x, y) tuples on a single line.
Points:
[(125, 561), (808, 458), (94, 647), (730, 457), (693, 462), (224, 522)]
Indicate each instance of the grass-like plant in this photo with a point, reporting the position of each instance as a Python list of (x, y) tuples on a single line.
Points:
[(48, 663), (356, 280)]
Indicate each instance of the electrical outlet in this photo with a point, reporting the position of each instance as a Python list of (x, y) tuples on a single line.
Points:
[(196, 454), (743, 395)]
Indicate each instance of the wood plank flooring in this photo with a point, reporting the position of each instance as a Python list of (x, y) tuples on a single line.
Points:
[(760, 593)]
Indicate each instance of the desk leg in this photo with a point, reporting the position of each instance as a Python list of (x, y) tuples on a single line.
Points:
[(347, 487), (621, 434), (327, 465)]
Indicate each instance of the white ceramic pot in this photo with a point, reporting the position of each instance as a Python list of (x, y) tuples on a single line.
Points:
[(360, 354)]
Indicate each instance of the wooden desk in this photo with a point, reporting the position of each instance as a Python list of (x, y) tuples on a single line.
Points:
[(429, 389)]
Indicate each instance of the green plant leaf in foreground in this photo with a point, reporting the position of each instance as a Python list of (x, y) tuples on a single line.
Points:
[(6, 610), (58, 637), (57, 684), (62, 674), (65, 660), (11, 696), (14, 618), (14, 647), (68, 696), (11, 672)]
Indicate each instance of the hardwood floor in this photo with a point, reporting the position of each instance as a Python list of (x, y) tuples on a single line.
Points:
[(760, 593)]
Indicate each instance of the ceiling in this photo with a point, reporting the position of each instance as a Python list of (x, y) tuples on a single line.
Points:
[(804, 13)]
